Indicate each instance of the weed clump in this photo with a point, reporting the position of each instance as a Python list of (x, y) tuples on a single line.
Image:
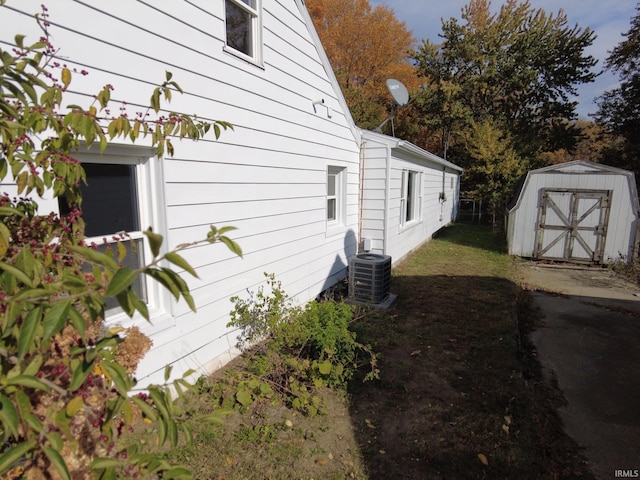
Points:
[(293, 350)]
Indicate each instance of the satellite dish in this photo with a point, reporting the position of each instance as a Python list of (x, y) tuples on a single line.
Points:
[(398, 91)]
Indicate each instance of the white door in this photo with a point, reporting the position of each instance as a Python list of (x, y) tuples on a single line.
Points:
[(572, 225)]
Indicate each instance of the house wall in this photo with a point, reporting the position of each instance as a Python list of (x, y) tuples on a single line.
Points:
[(523, 216), (383, 165), (267, 177)]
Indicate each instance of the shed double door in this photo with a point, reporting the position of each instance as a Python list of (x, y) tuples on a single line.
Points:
[(572, 225)]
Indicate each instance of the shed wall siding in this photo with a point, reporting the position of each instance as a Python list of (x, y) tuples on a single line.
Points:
[(267, 177), (622, 218)]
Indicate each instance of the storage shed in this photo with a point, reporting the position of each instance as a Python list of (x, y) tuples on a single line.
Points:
[(577, 211), (407, 194)]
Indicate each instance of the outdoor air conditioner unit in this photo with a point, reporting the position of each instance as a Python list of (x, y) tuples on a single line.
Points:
[(369, 277)]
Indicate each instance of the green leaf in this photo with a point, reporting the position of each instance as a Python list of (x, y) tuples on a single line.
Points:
[(173, 432), (96, 257), (55, 318), (8, 417), (74, 406), (243, 397), (17, 273), (167, 372), (154, 101), (125, 300), (180, 262), (226, 229), (28, 331), (139, 305), (155, 241), (15, 454), (147, 409), (30, 293), (161, 276), (55, 439), (56, 460), (231, 245), (179, 473), (80, 374), (160, 402), (325, 367), (162, 431), (34, 365), (118, 376), (103, 463), (75, 318), (29, 382), (5, 236), (121, 281)]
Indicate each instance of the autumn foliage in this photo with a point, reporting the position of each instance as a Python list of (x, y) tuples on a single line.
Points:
[(365, 46)]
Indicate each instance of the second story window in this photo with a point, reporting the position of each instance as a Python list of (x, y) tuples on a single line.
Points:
[(243, 27)]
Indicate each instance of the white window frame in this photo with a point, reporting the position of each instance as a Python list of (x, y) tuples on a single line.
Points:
[(254, 9), (410, 201), (151, 213), (338, 174)]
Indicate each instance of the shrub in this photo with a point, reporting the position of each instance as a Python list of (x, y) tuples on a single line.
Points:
[(297, 350), (65, 381)]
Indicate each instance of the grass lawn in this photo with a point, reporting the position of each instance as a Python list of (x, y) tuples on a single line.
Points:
[(459, 394)]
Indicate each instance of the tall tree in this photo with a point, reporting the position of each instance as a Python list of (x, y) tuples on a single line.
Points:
[(493, 166), (618, 108), (519, 67), (365, 46)]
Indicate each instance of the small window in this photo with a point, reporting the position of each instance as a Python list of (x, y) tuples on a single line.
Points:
[(110, 209), (120, 200), (335, 195), (411, 196), (243, 27)]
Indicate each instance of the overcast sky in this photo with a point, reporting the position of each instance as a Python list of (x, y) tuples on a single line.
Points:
[(609, 19)]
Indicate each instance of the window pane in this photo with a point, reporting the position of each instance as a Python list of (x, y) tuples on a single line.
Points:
[(134, 259), (109, 200), (331, 209), (239, 35), (331, 185), (410, 187)]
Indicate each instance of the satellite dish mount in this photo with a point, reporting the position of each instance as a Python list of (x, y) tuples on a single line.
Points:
[(400, 99)]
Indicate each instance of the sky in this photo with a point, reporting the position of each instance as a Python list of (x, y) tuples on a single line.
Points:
[(609, 19)]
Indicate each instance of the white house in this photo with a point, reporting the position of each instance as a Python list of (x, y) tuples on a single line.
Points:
[(407, 194), (574, 212), (288, 176)]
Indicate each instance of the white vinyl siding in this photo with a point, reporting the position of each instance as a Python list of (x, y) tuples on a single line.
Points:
[(402, 185), (267, 176)]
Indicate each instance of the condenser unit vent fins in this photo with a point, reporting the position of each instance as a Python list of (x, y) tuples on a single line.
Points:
[(369, 277)]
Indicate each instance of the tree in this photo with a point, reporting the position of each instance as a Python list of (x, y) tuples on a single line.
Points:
[(519, 67), (65, 383), (365, 47), (618, 108), (493, 164)]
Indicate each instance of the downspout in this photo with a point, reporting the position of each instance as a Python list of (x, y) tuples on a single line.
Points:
[(443, 194), (361, 202), (387, 188)]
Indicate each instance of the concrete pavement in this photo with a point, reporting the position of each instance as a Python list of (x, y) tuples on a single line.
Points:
[(589, 341)]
